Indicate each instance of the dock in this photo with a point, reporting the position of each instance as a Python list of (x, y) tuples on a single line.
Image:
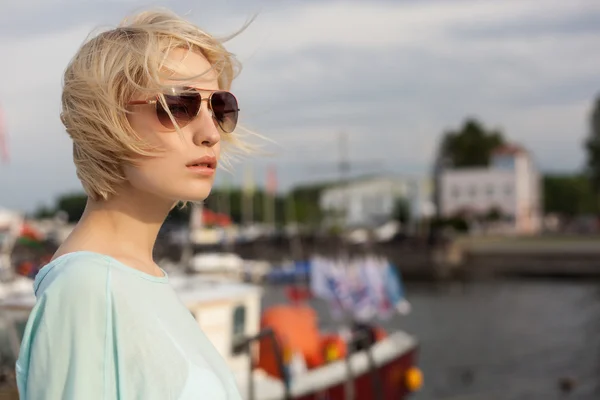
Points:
[(570, 257), (465, 257)]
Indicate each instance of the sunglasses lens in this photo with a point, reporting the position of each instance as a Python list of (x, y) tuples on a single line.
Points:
[(183, 107), (225, 109)]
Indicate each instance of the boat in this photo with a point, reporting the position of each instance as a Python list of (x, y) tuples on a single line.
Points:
[(229, 264), (289, 272)]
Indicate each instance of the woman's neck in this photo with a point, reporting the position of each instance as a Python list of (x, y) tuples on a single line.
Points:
[(124, 226)]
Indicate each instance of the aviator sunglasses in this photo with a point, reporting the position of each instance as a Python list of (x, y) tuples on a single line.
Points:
[(184, 104)]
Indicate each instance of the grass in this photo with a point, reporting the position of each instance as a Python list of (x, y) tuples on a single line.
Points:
[(567, 243)]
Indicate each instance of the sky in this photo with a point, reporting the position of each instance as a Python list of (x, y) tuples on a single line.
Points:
[(391, 76)]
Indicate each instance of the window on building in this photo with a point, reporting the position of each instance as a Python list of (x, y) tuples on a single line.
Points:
[(473, 191), (239, 329), (506, 162), (455, 191), (508, 189), (490, 190), (380, 203)]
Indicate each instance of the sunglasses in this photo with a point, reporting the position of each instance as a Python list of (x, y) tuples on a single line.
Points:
[(184, 104)]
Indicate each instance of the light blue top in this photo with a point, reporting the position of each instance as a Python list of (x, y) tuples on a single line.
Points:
[(103, 330)]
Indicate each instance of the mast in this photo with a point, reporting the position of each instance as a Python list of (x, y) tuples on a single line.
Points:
[(269, 198), (194, 222), (4, 157), (344, 170), (247, 197), (295, 242)]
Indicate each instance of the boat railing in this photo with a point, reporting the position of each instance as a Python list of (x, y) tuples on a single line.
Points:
[(247, 346), (361, 339)]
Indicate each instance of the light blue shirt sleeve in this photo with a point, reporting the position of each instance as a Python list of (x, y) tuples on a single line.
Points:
[(67, 348)]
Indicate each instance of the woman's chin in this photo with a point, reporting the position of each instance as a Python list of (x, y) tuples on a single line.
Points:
[(195, 196)]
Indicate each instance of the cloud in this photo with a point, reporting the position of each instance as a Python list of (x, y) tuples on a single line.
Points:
[(421, 70), (393, 75)]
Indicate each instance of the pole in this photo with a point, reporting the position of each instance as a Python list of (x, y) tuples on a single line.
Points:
[(344, 169), (295, 244), (195, 222), (248, 196), (227, 211), (269, 198)]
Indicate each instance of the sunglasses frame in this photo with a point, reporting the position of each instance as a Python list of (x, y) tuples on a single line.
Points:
[(155, 101)]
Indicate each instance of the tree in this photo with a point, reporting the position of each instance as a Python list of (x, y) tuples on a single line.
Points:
[(306, 203), (569, 195), (73, 204), (306, 206), (229, 201), (471, 146), (592, 146), (401, 210), (494, 214), (43, 212)]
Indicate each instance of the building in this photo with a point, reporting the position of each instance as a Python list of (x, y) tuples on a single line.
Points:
[(371, 201), (510, 186)]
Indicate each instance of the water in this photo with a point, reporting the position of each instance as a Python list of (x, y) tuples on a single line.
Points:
[(501, 340)]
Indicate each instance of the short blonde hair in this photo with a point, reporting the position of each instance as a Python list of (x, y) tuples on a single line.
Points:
[(105, 74)]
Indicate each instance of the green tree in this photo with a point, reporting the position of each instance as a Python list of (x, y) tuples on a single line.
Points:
[(401, 210), (306, 204), (73, 204), (493, 214), (44, 212), (569, 195), (470, 146), (592, 146), (230, 202)]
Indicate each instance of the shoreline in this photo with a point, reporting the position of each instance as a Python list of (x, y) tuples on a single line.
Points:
[(543, 257)]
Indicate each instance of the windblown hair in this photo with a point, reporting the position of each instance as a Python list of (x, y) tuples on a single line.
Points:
[(104, 75)]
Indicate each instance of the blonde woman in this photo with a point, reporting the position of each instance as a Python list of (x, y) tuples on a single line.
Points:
[(148, 108)]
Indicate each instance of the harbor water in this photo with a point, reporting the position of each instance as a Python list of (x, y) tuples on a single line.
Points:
[(500, 340)]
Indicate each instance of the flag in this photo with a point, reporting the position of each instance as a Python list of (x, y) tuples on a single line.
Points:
[(327, 282), (247, 197), (362, 295), (196, 216), (318, 278), (226, 201), (271, 184), (248, 180), (3, 144), (269, 197), (394, 289), (373, 275), (364, 287)]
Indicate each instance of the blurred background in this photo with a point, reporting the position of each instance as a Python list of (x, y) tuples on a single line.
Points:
[(458, 139)]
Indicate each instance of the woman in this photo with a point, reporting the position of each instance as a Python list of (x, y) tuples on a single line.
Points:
[(147, 106)]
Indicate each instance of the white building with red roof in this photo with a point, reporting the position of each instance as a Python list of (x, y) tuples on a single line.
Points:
[(511, 185)]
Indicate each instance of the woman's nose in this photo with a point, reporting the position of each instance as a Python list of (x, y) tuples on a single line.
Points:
[(204, 128)]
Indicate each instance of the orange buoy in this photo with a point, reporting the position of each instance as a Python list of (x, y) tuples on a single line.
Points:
[(380, 333), (333, 347)]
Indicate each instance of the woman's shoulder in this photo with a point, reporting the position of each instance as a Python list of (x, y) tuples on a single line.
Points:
[(79, 271)]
